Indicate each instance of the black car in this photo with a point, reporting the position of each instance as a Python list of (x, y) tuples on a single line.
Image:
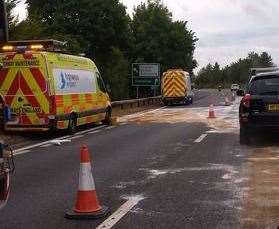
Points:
[(259, 108)]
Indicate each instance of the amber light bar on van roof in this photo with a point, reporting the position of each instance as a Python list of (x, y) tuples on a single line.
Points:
[(38, 45)]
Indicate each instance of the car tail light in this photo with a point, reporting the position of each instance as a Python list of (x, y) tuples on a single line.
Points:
[(246, 100)]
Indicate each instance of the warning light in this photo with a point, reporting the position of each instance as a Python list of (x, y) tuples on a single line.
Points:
[(8, 48), (36, 47)]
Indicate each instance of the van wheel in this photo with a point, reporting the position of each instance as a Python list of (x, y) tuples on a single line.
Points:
[(107, 120), (72, 127)]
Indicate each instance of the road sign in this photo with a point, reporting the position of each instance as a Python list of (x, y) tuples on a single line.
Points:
[(140, 81), (146, 74)]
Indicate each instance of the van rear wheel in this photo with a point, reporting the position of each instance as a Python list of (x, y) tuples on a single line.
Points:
[(72, 126)]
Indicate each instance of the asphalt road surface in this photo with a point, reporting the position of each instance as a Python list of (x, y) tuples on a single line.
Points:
[(183, 170)]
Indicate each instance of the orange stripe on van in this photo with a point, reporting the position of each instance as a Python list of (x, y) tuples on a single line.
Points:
[(75, 99), (88, 98), (59, 101)]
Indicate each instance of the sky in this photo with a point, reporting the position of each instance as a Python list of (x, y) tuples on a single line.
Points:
[(227, 29)]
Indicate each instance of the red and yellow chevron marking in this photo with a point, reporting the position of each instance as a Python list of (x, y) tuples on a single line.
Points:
[(174, 84), (29, 84)]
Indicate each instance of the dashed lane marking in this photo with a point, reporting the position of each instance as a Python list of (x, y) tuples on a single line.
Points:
[(120, 213), (200, 138)]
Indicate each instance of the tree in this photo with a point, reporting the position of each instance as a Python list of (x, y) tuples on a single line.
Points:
[(159, 39), (95, 27), (12, 19), (266, 60), (117, 67), (236, 72)]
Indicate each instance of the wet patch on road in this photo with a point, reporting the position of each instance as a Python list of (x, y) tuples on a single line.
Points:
[(226, 117), (261, 205)]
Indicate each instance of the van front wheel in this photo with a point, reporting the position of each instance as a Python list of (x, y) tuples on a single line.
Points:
[(107, 120), (72, 126)]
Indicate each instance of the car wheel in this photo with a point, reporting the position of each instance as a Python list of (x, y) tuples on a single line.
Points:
[(244, 137), (107, 120), (72, 126)]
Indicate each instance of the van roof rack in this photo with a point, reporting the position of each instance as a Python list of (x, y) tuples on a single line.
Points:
[(255, 71), (50, 45)]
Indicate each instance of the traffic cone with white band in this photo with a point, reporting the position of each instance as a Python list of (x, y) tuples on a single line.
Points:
[(211, 112), (87, 205)]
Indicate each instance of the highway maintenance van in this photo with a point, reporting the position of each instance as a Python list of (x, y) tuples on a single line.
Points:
[(47, 89), (176, 87)]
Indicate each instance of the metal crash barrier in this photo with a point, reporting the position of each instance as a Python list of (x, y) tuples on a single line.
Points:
[(136, 102)]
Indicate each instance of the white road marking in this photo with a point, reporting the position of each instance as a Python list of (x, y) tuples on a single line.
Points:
[(59, 142), (200, 138), (26, 149), (110, 127), (22, 152), (120, 212), (91, 129), (46, 145), (76, 137), (94, 132)]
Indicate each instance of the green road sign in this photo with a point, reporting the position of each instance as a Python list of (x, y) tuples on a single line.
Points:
[(145, 74)]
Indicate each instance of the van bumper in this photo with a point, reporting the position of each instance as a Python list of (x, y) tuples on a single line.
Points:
[(26, 128), (178, 99)]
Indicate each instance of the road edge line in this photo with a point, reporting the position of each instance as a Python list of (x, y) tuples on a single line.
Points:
[(26, 148)]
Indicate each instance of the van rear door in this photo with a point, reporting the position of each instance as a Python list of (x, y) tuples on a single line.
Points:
[(23, 83)]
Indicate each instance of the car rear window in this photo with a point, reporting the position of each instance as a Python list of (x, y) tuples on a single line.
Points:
[(268, 85)]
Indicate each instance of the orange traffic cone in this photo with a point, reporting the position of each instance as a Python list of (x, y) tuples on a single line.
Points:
[(211, 112), (87, 205)]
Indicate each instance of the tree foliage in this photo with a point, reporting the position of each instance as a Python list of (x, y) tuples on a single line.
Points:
[(237, 72), (12, 19), (161, 40), (103, 30)]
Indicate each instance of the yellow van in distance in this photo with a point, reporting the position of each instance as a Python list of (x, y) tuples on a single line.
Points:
[(46, 89), (176, 87)]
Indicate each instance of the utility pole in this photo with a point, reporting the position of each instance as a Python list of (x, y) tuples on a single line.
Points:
[(3, 22)]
